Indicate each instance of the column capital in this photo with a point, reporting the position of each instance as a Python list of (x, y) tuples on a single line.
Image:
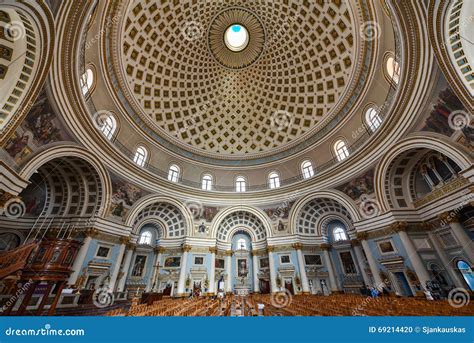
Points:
[(424, 226), (187, 248), (91, 232), (270, 248), (325, 246), (355, 242), (124, 239), (213, 250), (362, 236), (399, 226), (228, 253), (159, 250), (131, 246), (449, 217), (298, 246)]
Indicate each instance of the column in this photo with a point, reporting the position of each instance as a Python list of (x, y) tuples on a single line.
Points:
[(156, 269), (458, 231), (273, 275), (81, 255), (413, 256), (302, 268), (373, 265), (445, 260), (360, 260), (59, 289), (328, 262), (256, 281), (212, 276), (113, 278), (228, 270), (182, 273), (125, 267)]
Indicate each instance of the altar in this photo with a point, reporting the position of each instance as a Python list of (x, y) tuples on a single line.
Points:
[(242, 287)]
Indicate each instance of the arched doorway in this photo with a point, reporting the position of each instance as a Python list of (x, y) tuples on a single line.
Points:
[(242, 270)]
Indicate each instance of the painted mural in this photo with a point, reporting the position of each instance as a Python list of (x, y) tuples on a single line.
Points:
[(363, 184), (34, 196), (124, 196), (278, 214), (442, 104), (40, 127)]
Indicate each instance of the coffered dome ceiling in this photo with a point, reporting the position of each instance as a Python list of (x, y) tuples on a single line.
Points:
[(297, 71)]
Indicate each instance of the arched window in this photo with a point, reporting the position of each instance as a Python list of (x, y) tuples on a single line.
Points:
[(87, 80), (339, 234), (173, 173), (274, 180), (140, 156), (240, 184), (145, 238), (341, 150), (207, 182), (307, 169), (241, 244), (467, 273), (372, 118), (393, 69), (109, 126)]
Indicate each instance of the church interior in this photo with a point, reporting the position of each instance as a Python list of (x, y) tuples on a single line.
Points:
[(140, 176)]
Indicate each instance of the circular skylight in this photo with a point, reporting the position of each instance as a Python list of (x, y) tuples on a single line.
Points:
[(236, 37)]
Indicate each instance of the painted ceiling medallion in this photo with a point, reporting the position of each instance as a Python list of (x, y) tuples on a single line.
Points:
[(236, 38)]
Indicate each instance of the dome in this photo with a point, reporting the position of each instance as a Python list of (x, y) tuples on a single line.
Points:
[(294, 68)]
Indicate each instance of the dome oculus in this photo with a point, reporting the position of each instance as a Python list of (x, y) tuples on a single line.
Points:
[(236, 38)]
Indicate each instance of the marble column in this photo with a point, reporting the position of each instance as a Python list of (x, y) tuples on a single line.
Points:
[(452, 219), (256, 281), (182, 273), (413, 256), (445, 260), (360, 260), (328, 262), (212, 277), (302, 268), (228, 270), (115, 272), (273, 275), (152, 283), (125, 267), (373, 265), (81, 255)]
